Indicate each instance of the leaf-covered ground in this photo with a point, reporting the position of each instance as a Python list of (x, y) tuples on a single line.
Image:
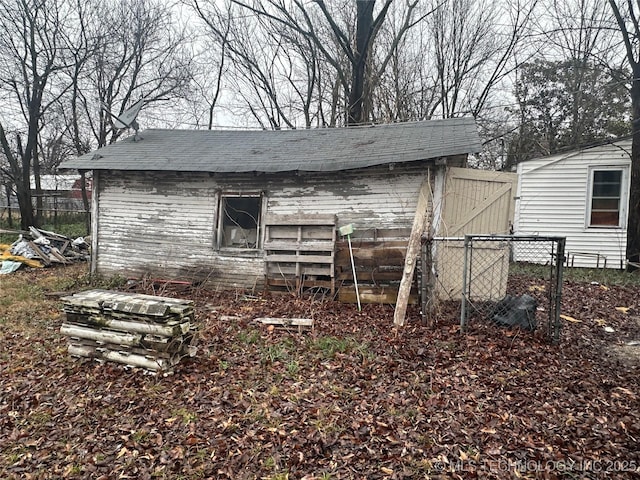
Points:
[(354, 398)]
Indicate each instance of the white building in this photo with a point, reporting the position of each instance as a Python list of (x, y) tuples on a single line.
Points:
[(582, 195)]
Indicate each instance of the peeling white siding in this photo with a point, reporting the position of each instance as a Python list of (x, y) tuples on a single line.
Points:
[(163, 224), (553, 200)]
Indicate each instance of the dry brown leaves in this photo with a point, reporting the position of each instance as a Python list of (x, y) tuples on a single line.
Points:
[(352, 399)]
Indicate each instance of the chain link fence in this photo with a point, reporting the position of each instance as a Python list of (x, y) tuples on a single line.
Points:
[(509, 280)]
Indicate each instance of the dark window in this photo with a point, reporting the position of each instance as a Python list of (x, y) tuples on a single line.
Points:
[(606, 194), (240, 221)]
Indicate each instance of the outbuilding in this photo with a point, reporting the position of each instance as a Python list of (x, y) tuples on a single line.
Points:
[(249, 209), (582, 195)]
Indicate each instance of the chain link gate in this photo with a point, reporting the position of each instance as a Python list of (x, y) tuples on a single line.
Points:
[(508, 279), (517, 260)]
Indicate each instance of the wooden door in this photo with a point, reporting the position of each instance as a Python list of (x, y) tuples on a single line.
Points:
[(474, 202), (477, 202)]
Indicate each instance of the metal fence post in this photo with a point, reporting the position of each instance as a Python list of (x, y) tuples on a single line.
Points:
[(558, 300), (463, 307)]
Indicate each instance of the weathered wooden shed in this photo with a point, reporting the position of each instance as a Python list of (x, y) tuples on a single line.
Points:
[(582, 195), (245, 209)]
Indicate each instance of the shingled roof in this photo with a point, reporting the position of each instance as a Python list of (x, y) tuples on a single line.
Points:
[(312, 150)]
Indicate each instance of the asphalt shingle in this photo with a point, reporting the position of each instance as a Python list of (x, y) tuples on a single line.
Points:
[(313, 150)]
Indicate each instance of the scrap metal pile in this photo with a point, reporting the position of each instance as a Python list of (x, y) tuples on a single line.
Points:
[(41, 248), (145, 331)]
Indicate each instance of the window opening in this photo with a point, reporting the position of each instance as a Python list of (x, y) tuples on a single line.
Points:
[(240, 222)]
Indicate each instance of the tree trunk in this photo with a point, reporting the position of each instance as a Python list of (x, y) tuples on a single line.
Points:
[(633, 220), (9, 214), (364, 26), (24, 202)]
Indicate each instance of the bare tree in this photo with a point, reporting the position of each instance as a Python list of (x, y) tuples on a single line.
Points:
[(336, 35), (473, 46), (140, 53), (405, 89), (627, 18), (577, 32), (274, 72), (31, 54)]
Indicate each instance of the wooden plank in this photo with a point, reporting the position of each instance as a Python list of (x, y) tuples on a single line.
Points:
[(371, 244), (279, 269), (413, 249), (297, 322), (291, 283), (38, 251), (377, 295), (288, 232), (299, 258), (366, 277), (303, 246), (301, 219), (372, 256)]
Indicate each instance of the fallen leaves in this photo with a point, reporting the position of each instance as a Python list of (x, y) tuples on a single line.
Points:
[(350, 399)]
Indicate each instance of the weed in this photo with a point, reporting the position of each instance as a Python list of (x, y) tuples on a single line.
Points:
[(185, 415), (139, 435), (250, 337), (73, 469), (330, 346), (293, 367), (14, 457), (279, 476), (39, 418), (270, 463), (273, 353)]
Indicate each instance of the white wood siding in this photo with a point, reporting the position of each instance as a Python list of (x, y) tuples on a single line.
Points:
[(553, 200), (163, 225)]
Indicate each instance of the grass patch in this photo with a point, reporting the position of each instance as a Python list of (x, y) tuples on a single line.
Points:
[(273, 353), (331, 346), (250, 337)]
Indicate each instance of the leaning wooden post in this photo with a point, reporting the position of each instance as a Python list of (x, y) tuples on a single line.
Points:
[(413, 249)]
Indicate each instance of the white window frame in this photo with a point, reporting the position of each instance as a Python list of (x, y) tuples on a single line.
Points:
[(624, 195), (220, 230)]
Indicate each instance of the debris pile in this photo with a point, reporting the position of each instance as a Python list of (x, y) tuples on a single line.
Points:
[(144, 331), (41, 248)]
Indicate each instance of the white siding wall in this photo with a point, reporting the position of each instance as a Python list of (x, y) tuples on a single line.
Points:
[(553, 200), (163, 224)]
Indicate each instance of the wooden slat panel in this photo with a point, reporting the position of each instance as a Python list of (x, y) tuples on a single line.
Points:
[(370, 276), (291, 283), (299, 258), (372, 257), (285, 232), (301, 219), (373, 295), (310, 246), (278, 269)]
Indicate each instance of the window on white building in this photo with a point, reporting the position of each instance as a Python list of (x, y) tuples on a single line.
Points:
[(606, 202)]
